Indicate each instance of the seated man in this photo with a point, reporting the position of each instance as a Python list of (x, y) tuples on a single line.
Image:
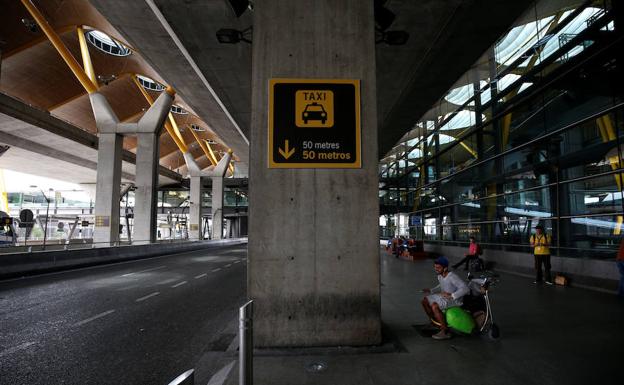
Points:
[(452, 290)]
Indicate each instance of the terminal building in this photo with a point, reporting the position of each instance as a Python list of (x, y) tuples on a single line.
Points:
[(168, 164)]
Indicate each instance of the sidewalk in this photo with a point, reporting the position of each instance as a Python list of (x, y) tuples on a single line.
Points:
[(550, 335)]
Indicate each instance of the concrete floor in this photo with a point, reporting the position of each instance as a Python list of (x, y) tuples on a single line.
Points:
[(550, 335), (142, 322)]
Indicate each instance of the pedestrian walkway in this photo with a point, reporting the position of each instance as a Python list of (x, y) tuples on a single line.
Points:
[(550, 335)]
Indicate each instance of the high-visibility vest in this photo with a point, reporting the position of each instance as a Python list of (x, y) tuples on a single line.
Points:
[(540, 242)]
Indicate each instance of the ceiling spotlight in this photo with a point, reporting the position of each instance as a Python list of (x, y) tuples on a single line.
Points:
[(234, 36), (31, 25), (106, 78), (393, 37), (383, 16), (240, 6)]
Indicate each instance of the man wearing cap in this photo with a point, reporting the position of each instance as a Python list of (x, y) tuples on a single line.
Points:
[(540, 243), (451, 289)]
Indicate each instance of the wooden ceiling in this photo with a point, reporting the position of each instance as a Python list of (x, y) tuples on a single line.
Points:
[(34, 72)]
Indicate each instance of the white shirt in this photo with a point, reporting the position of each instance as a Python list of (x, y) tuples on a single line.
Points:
[(452, 284)]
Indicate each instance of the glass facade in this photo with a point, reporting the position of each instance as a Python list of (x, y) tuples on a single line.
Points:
[(530, 135)]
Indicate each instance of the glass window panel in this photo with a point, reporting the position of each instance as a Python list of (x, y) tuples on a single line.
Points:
[(593, 237)]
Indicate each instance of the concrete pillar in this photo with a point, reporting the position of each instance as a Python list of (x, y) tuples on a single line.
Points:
[(195, 209), (109, 167), (195, 215), (110, 147), (146, 188), (313, 233), (217, 207)]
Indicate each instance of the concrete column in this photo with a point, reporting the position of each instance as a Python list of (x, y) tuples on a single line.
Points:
[(109, 166), (313, 233), (146, 188), (195, 209), (217, 207), (107, 190)]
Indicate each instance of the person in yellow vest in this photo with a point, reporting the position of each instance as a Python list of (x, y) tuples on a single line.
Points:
[(540, 242)]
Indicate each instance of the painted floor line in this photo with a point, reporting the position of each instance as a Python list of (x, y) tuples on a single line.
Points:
[(228, 265), (222, 375), (200, 276), (143, 271), (16, 348), (179, 284), (103, 314), (237, 261), (147, 296), (215, 270)]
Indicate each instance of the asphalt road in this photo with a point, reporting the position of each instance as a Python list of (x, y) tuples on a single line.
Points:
[(141, 322)]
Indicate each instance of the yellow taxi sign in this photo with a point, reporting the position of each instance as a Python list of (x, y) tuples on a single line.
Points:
[(314, 123)]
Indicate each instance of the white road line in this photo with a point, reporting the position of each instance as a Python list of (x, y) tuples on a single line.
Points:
[(222, 375), (228, 265), (200, 276), (143, 271), (147, 296), (215, 270), (237, 261), (179, 284), (94, 317), (16, 348)]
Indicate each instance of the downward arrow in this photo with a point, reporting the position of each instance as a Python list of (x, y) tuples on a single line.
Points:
[(285, 152)]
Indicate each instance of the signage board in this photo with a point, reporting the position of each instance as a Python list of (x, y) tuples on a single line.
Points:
[(314, 123), (102, 221)]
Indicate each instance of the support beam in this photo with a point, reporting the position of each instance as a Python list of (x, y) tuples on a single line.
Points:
[(107, 190), (311, 287), (147, 129)]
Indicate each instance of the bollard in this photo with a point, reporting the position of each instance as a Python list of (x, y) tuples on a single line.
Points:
[(245, 341), (186, 378)]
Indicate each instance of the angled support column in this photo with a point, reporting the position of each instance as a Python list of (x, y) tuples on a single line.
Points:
[(216, 173), (109, 168)]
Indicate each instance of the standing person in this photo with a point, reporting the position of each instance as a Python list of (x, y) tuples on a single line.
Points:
[(619, 260), (540, 242), (474, 250), (452, 291)]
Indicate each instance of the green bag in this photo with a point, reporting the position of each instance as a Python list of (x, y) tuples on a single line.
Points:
[(459, 319)]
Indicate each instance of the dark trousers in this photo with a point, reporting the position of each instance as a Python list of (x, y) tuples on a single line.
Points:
[(539, 261), (466, 261)]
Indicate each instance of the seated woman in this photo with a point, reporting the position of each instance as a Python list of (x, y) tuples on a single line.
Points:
[(474, 250)]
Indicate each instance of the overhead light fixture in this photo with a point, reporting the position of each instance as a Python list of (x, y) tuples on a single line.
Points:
[(383, 16), (31, 25), (240, 6), (106, 78), (393, 37), (234, 36)]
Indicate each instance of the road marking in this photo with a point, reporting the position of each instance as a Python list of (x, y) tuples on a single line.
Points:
[(215, 270), (200, 276), (228, 265), (179, 284), (143, 271), (222, 375), (236, 261), (16, 348), (94, 318), (147, 296)]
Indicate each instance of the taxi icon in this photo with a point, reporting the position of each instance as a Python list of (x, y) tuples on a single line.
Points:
[(314, 111)]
